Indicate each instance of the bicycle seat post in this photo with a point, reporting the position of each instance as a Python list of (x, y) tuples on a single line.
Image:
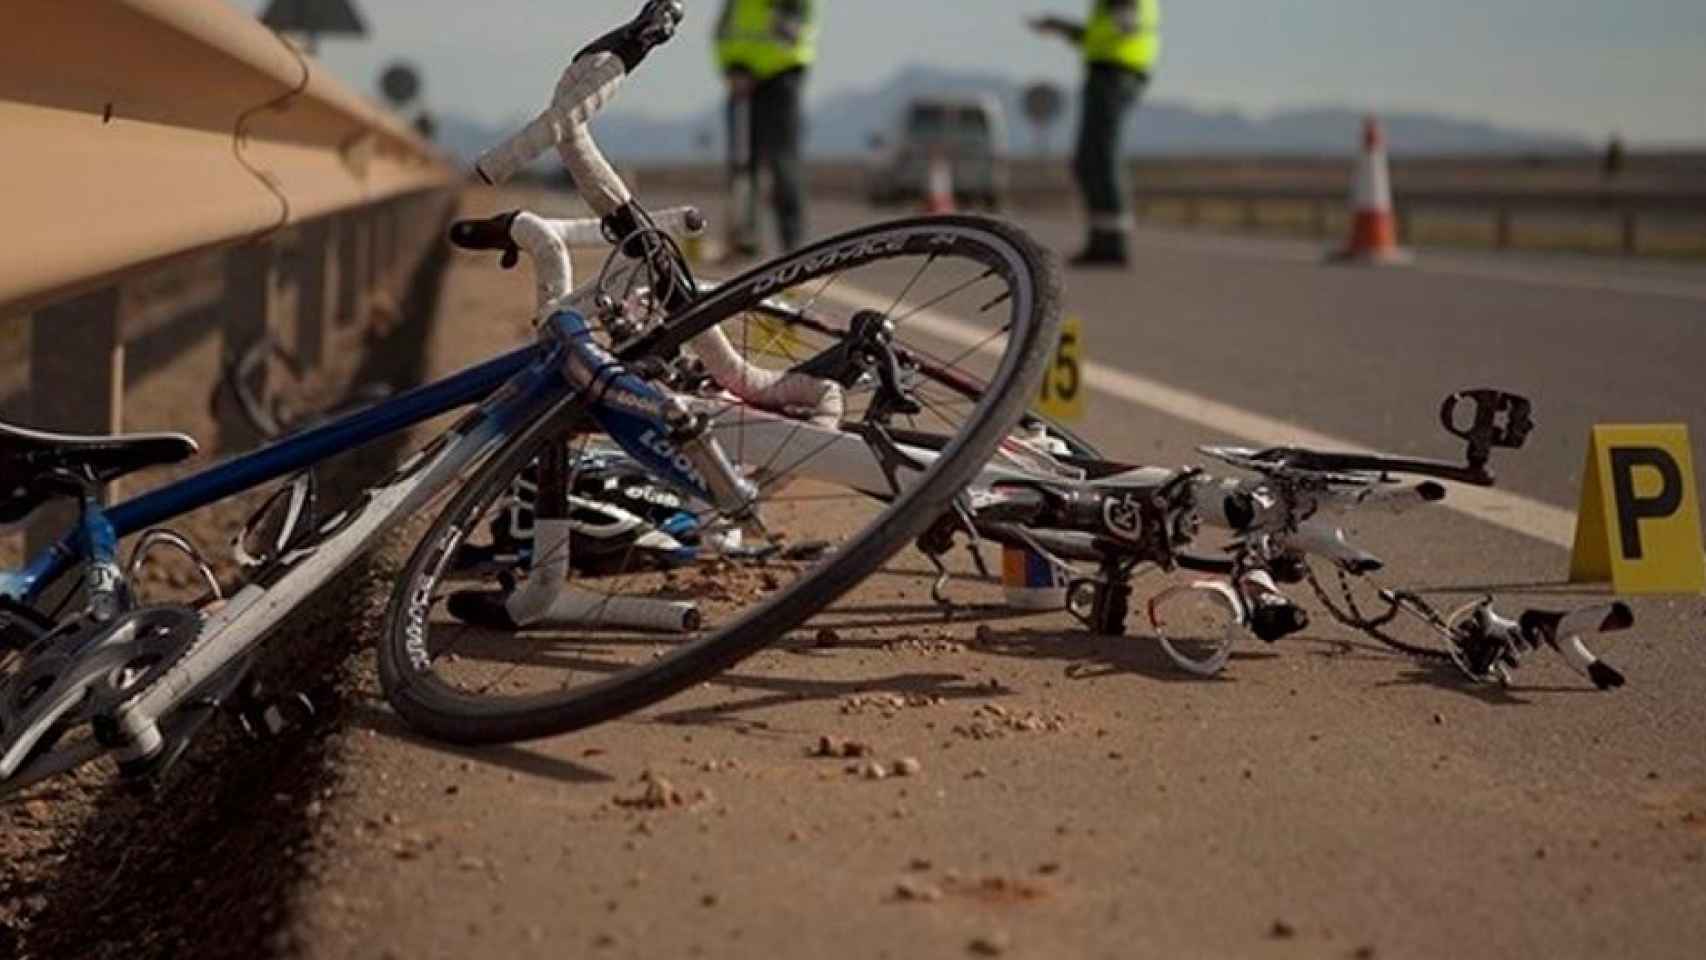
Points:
[(108, 595)]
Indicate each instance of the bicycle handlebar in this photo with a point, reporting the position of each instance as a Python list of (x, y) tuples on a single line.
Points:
[(495, 233), (586, 86), (1563, 632)]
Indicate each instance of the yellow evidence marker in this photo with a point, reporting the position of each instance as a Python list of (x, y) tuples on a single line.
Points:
[(1639, 522), (1063, 392), (761, 336)]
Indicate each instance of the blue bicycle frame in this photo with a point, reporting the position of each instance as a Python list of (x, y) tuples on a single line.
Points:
[(531, 378), (512, 390)]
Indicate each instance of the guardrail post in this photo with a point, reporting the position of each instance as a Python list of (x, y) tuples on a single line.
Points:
[(355, 268), (1631, 237), (255, 293), (316, 270), (385, 251), (76, 383)]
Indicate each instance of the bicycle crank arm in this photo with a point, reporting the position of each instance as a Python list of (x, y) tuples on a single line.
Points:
[(1324, 461)]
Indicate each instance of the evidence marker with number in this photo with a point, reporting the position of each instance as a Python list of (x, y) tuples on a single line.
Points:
[(1063, 391), (1639, 522)]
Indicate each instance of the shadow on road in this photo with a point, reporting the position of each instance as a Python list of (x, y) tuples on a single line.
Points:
[(369, 716)]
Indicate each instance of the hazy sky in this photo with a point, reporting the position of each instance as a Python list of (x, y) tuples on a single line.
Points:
[(1581, 66)]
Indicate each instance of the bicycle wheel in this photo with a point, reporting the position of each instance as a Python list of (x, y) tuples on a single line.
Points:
[(463, 661)]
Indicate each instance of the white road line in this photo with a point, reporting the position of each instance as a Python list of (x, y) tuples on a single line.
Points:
[(1500, 508)]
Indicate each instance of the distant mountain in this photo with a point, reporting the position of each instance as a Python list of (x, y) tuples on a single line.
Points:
[(841, 124)]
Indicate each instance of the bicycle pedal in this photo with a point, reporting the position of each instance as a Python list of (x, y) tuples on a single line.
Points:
[(268, 718)]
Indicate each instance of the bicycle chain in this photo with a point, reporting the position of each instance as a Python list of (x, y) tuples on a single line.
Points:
[(1371, 626)]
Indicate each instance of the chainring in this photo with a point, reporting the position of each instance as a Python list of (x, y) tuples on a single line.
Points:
[(74, 677)]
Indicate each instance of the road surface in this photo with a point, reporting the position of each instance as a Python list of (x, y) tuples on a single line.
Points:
[(1079, 796)]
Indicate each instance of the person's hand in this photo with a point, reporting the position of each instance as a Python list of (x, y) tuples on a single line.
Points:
[(1047, 25)]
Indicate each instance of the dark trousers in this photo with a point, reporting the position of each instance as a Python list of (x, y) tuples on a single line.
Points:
[(774, 134), (1109, 92)]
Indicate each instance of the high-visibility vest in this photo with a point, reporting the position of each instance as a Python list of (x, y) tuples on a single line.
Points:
[(750, 37), (1106, 41)]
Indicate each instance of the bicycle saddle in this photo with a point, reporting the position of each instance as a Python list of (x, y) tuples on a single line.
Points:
[(27, 457)]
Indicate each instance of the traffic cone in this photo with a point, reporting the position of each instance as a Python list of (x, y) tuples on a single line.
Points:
[(939, 195), (1374, 228)]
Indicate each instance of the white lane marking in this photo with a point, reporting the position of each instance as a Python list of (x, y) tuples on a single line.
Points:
[(1500, 508), (1434, 264)]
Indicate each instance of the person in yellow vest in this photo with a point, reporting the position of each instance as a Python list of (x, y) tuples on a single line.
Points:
[(1121, 42), (764, 48)]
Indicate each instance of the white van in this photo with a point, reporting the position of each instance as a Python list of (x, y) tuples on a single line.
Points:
[(970, 129)]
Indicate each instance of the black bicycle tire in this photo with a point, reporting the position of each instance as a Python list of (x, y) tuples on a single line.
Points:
[(434, 708)]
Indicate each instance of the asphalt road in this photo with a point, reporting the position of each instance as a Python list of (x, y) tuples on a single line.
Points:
[(1079, 796)]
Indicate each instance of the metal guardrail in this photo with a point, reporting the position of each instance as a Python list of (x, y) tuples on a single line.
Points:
[(1502, 206), (182, 145), (140, 129), (1503, 189)]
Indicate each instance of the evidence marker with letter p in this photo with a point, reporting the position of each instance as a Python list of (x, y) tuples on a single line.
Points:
[(1639, 521)]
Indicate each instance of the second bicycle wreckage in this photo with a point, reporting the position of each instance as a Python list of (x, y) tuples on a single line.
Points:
[(1101, 524)]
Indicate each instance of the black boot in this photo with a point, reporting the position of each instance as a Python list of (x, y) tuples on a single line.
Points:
[(1107, 248)]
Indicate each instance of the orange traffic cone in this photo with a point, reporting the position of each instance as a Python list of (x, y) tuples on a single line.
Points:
[(939, 194), (1374, 228)]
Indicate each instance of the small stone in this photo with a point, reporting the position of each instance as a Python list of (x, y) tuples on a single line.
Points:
[(1048, 869), (657, 794), (1364, 952), (908, 767), (914, 891), (826, 638), (872, 770), (832, 746), (471, 864), (1439, 719), (1282, 930), (992, 944), (919, 863), (708, 900), (983, 634)]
